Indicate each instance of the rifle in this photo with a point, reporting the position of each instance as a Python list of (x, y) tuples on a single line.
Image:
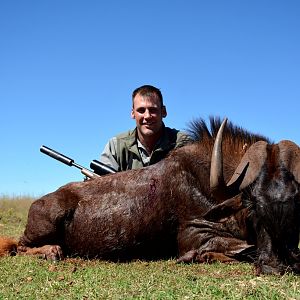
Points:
[(98, 167)]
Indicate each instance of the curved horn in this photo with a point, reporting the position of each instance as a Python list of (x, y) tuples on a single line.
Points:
[(290, 157), (256, 154), (217, 183)]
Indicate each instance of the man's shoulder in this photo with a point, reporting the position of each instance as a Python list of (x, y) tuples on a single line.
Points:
[(178, 134), (124, 139), (129, 134)]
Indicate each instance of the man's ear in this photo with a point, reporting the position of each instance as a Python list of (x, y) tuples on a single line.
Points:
[(164, 111), (132, 114)]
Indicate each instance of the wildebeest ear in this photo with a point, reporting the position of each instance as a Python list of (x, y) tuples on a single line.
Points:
[(255, 156), (224, 210), (290, 157)]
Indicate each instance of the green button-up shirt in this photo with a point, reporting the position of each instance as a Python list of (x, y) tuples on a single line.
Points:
[(125, 152)]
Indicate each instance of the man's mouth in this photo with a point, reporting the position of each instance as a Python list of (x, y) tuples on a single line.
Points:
[(148, 124)]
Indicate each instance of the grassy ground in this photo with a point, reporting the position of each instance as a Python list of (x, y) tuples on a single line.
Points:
[(33, 278), (13, 215)]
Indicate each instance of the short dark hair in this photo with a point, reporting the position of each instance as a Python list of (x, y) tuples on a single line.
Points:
[(148, 90)]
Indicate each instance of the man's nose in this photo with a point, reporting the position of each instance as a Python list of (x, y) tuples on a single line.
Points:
[(147, 114)]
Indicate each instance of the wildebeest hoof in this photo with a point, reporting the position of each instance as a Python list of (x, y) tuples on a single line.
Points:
[(52, 252), (49, 252), (21, 249), (211, 257), (188, 257)]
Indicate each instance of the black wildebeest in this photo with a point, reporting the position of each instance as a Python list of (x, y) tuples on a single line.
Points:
[(175, 208)]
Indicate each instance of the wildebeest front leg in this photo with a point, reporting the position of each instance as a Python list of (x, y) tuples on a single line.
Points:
[(203, 241), (207, 257), (51, 252)]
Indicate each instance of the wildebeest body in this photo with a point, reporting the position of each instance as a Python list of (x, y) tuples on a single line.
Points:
[(170, 208), (121, 217)]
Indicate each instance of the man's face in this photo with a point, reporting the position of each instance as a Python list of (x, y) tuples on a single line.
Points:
[(148, 114)]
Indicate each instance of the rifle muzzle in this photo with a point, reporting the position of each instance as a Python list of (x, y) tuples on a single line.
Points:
[(56, 155)]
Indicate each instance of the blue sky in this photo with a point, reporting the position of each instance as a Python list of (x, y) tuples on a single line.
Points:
[(68, 68)]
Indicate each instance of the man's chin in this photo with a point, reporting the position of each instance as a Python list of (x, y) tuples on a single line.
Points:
[(148, 132)]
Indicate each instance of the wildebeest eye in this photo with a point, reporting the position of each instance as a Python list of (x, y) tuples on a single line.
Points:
[(248, 201)]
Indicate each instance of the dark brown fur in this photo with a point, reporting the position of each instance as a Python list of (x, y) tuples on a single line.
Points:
[(147, 213), (160, 211)]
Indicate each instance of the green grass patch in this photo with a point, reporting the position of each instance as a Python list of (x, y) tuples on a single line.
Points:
[(33, 278)]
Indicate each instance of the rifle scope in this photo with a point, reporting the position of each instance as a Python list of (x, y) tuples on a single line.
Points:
[(100, 168)]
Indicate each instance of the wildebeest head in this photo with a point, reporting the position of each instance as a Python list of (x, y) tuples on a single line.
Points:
[(268, 178)]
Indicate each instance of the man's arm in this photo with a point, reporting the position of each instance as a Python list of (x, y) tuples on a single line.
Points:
[(109, 154)]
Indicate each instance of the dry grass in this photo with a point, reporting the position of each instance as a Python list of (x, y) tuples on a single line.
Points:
[(13, 215)]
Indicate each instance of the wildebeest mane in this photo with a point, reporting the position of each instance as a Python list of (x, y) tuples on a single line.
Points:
[(198, 130), (236, 140)]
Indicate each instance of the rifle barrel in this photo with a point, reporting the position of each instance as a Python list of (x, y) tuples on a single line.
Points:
[(56, 155), (70, 162)]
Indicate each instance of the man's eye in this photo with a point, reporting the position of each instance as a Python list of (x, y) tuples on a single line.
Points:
[(153, 110)]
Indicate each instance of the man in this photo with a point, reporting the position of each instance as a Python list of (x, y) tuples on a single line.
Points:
[(150, 141)]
